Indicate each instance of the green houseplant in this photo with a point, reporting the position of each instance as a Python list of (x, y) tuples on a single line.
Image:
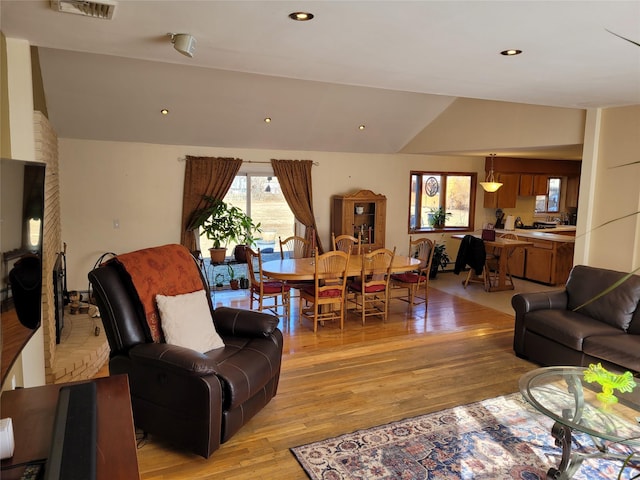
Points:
[(233, 281), (437, 217), (440, 259), (222, 223)]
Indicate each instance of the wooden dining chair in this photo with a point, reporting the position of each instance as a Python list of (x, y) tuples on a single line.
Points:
[(325, 298), (264, 288), (345, 243), (417, 280), (493, 261), (294, 247), (372, 288)]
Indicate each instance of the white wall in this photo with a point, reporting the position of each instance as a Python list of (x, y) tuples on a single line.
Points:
[(140, 186), (614, 230), (29, 368)]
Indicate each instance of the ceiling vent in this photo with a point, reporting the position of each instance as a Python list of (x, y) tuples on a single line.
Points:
[(103, 9)]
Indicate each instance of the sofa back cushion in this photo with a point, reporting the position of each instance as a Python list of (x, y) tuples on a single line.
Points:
[(617, 307)]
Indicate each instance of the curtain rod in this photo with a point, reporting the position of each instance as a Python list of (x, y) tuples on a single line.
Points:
[(249, 161)]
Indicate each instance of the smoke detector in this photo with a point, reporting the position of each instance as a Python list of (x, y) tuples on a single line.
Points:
[(103, 9)]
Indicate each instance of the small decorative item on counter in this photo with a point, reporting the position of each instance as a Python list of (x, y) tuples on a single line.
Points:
[(488, 234), (609, 382)]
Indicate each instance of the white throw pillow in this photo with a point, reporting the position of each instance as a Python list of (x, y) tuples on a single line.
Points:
[(186, 321)]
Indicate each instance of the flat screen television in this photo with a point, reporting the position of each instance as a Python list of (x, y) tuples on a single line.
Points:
[(21, 239)]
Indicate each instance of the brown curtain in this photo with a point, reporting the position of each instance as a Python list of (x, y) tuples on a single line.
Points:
[(294, 177), (211, 176)]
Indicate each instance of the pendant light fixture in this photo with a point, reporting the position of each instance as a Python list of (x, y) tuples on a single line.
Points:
[(490, 184)]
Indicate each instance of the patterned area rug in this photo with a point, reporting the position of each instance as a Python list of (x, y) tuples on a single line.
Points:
[(499, 438)]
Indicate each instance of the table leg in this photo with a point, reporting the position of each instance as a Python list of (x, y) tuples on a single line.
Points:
[(569, 464), (502, 273)]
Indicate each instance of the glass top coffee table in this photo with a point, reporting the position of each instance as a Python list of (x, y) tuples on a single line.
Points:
[(563, 394)]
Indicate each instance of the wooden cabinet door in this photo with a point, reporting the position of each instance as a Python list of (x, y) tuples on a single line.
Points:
[(540, 184), (506, 195), (539, 264), (526, 185), (516, 262), (508, 192), (573, 187)]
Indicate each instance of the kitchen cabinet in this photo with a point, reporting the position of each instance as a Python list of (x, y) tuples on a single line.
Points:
[(516, 262), (540, 184), (526, 185), (361, 213), (573, 186), (506, 195), (539, 262), (548, 261)]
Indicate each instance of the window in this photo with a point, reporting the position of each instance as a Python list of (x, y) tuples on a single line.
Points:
[(260, 196), (549, 203), (454, 192)]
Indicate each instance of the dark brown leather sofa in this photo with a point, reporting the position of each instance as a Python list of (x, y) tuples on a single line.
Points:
[(196, 401), (550, 329)]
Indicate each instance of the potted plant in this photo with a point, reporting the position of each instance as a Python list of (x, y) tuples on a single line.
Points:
[(437, 217), (233, 282), (247, 239), (222, 223), (440, 259)]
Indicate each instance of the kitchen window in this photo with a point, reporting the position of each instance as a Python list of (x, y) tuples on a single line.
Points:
[(453, 191), (550, 203)]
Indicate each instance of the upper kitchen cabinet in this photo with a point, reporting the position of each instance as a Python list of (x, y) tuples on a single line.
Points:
[(506, 195), (528, 177), (573, 186), (540, 184)]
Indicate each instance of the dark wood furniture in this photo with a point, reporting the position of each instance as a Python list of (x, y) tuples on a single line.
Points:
[(32, 411)]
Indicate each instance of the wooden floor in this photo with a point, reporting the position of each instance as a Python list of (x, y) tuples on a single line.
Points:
[(336, 382)]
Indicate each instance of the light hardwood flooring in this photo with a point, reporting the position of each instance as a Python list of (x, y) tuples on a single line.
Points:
[(335, 382)]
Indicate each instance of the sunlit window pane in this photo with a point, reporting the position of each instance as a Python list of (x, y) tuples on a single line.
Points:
[(260, 196), (432, 190)]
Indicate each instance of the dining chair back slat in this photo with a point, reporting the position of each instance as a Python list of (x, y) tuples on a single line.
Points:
[(264, 288), (418, 280), (325, 297), (371, 290)]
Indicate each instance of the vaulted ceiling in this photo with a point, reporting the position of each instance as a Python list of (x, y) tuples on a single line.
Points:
[(392, 66)]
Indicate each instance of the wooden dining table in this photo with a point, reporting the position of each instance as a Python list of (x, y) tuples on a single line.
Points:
[(505, 245), (304, 268)]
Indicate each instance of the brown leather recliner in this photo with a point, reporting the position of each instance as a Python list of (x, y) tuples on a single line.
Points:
[(194, 400)]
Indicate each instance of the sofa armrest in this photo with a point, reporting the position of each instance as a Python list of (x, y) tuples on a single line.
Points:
[(177, 359), (524, 303), (244, 323)]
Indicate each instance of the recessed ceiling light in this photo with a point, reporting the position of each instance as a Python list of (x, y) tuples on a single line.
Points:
[(511, 52), (164, 111), (301, 16), (267, 120), (361, 127)]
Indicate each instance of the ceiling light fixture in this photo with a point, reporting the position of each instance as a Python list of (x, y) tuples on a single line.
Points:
[(301, 16), (361, 127), (511, 52), (490, 184), (267, 120), (164, 111), (185, 43)]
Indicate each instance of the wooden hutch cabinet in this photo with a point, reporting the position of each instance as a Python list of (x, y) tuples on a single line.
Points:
[(361, 213)]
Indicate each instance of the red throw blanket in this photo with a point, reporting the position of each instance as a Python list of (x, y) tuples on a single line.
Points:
[(167, 270)]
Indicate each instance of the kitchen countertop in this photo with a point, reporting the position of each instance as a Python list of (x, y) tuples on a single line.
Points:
[(545, 234)]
